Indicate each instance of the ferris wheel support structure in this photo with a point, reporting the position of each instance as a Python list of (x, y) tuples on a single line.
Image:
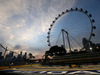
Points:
[(67, 39)]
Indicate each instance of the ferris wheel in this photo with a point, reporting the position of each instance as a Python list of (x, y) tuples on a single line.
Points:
[(70, 27)]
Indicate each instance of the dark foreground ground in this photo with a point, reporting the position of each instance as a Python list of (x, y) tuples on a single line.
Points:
[(21, 74), (37, 69), (38, 74)]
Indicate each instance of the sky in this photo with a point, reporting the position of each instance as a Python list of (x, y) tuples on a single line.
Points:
[(24, 23)]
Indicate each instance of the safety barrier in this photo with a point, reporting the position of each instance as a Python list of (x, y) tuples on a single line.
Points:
[(7, 67)]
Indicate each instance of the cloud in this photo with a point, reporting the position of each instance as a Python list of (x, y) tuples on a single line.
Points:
[(17, 47), (24, 23)]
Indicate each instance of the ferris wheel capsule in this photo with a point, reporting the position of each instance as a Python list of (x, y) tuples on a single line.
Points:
[(53, 21), (48, 44), (81, 9), (63, 13), (56, 18), (51, 25), (59, 15), (71, 9), (94, 27), (76, 9), (86, 11), (93, 20), (47, 36), (90, 15), (93, 34), (47, 40), (49, 28), (66, 10), (48, 32)]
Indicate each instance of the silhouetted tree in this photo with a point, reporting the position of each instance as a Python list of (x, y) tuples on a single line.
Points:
[(31, 56), (56, 50)]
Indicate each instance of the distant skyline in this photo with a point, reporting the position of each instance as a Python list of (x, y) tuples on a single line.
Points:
[(24, 23)]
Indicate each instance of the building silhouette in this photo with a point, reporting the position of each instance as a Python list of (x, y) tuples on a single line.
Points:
[(16, 60), (19, 57), (1, 57), (24, 56)]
